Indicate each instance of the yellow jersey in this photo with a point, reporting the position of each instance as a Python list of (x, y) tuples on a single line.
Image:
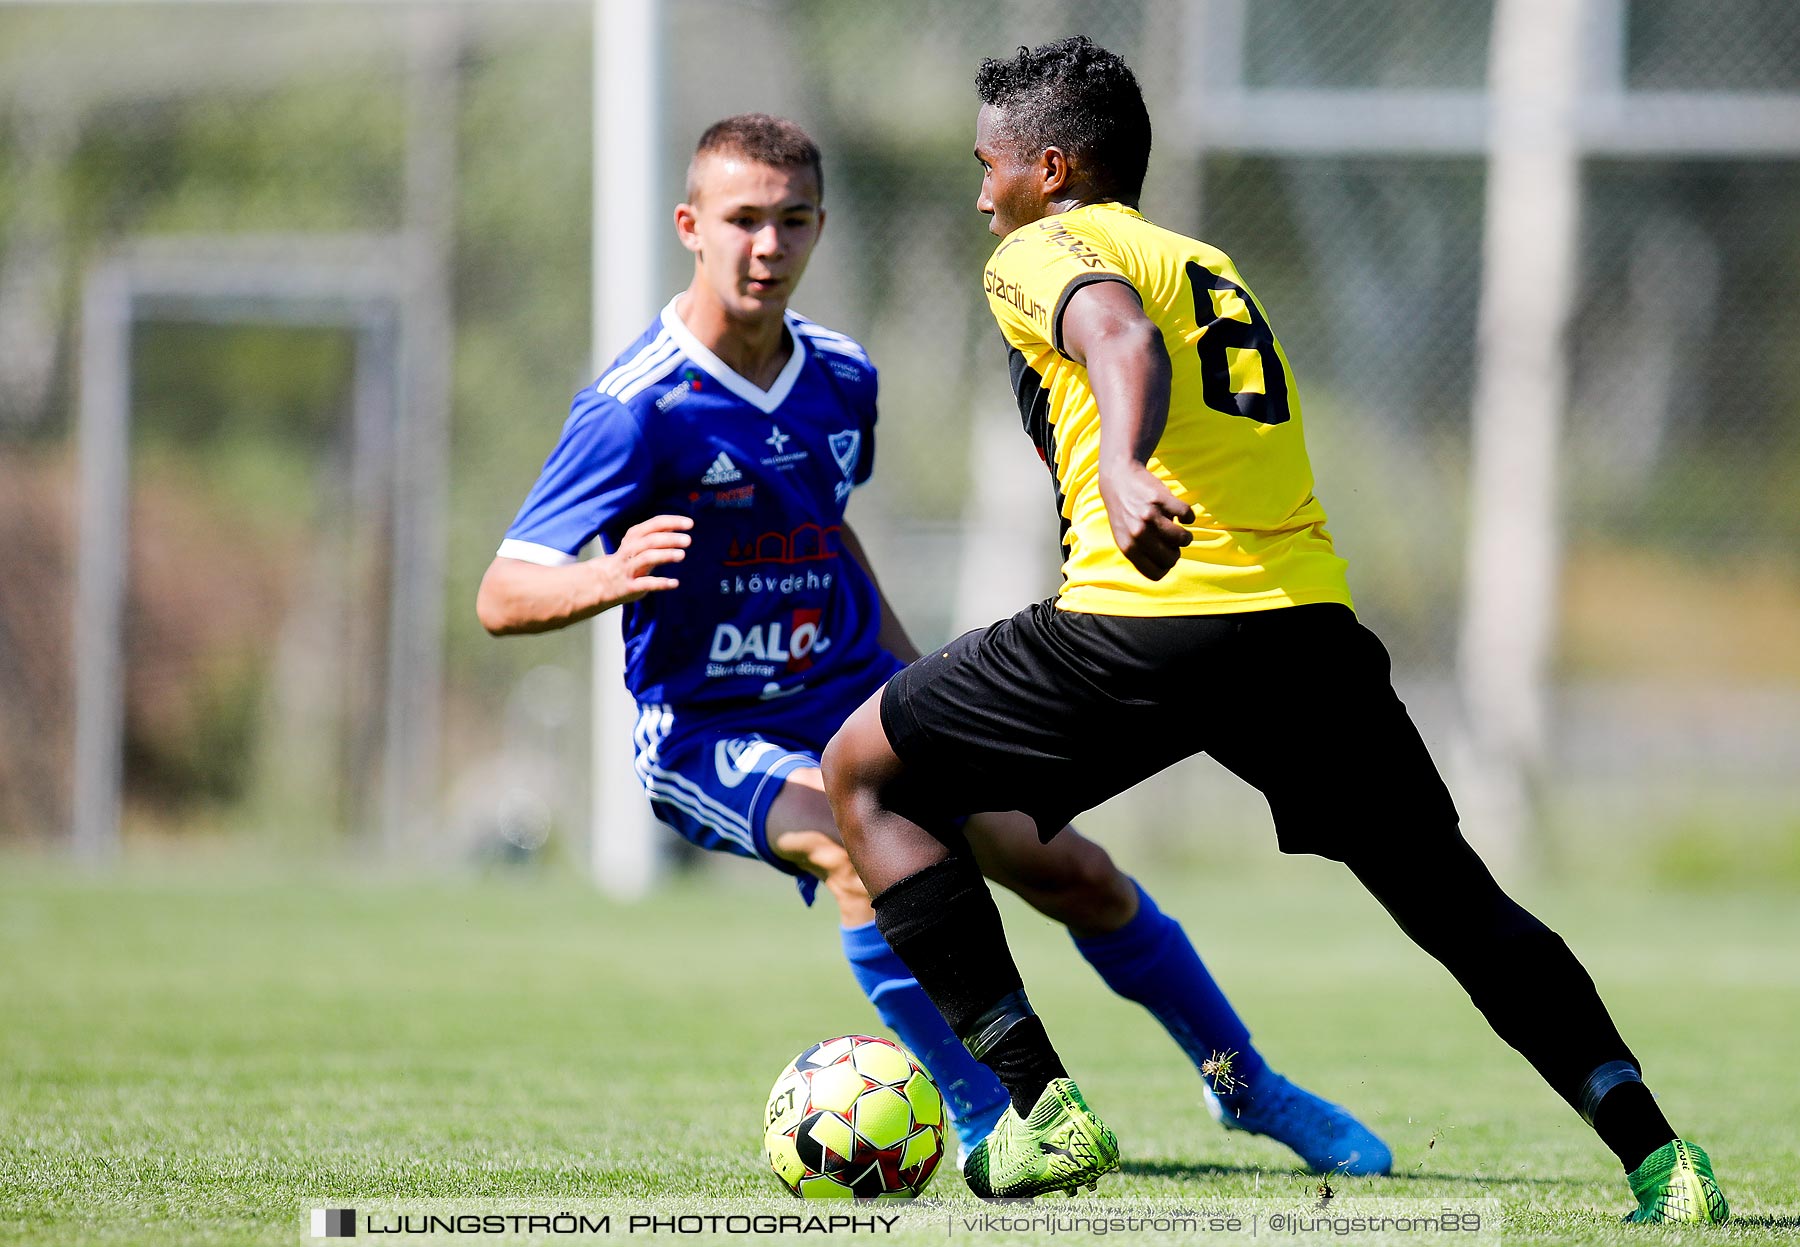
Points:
[(1233, 447)]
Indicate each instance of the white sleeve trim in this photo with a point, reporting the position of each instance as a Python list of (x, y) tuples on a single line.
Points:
[(532, 552)]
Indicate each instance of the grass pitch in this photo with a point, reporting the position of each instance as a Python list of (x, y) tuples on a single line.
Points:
[(200, 1059)]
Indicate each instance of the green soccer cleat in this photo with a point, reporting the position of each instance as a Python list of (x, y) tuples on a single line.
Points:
[(1060, 1147), (975, 1170), (1675, 1183)]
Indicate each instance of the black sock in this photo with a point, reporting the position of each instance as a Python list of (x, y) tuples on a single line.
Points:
[(943, 924), (1522, 976), (1629, 1122), (1024, 1062)]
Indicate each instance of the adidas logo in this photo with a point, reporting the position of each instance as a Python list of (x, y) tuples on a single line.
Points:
[(722, 472)]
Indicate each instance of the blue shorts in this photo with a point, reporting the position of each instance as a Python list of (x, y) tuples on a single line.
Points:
[(712, 775)]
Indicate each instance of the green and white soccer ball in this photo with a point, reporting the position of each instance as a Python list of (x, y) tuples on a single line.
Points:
[(854, 1118)]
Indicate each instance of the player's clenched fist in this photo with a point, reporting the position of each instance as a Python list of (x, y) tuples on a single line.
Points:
[(1146, 518), (629, 572)]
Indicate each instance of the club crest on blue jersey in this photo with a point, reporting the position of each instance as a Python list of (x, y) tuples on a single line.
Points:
[(846, 447)]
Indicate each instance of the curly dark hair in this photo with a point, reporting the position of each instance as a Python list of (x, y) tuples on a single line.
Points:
[(1075, 95), (773, 141)]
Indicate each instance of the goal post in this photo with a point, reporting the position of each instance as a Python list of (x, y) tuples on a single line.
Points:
[(627, 222)]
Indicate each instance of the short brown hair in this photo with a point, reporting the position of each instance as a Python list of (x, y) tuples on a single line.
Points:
[(773, 141)]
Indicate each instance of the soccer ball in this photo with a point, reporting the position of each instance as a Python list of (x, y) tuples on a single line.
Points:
[(854, 1118)]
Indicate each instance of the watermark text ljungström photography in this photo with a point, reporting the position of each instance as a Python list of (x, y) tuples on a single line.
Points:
[(1344, 1219)]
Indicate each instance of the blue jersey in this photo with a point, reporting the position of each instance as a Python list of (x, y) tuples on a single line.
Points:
[(770, 602)]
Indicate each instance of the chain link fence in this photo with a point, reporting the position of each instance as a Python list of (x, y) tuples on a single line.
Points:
[(1677, 689)]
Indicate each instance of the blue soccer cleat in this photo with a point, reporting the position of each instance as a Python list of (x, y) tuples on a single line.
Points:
[(1325, 1136)]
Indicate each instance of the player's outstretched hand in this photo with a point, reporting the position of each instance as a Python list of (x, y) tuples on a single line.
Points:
[(1146, 518), (629, 572)]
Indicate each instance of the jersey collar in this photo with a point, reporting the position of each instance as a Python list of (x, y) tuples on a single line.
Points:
[(765, 401), (1109, 205)]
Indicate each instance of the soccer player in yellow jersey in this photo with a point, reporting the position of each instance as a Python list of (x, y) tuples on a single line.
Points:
[(1202, 608)]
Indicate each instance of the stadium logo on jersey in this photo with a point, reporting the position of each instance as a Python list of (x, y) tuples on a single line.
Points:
[(735, 759), (1011, 291), (722, 472), (781, 458), (755, 650)]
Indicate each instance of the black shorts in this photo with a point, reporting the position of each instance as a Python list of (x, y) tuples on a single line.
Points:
[(1052, 712)]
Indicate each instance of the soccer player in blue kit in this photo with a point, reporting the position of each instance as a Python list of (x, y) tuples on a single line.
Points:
[(713, 458)]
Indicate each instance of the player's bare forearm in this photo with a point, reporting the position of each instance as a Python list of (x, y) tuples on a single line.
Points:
[(522, 597), (893, 636), (1105, 330)]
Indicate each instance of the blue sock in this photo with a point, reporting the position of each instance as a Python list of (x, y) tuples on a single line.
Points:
[(974, 1093), (1150, 960)]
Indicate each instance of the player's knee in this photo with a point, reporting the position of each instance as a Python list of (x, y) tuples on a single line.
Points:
[(837, 765), (1097, 894), (853, 771), (1075, 883), (1103, 883)]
